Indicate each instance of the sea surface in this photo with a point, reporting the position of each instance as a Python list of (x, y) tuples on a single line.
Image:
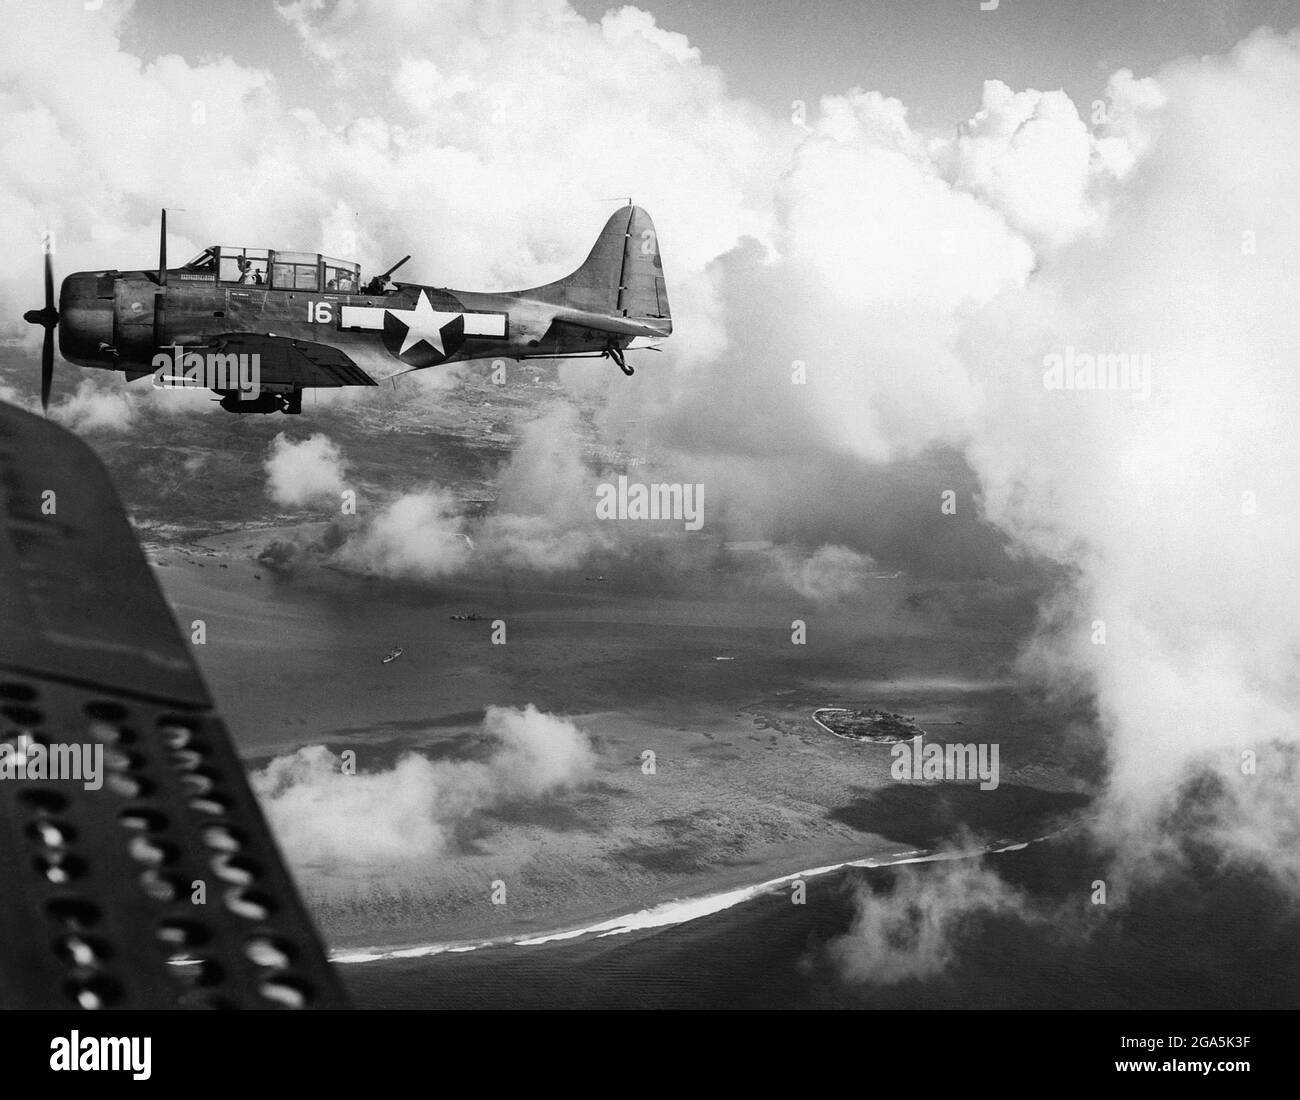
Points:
[(1206, 939)]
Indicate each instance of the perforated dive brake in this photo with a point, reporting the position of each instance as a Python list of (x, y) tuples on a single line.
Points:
[(161, 886)]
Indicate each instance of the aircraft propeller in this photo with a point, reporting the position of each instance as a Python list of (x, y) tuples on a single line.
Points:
[(48, 318)]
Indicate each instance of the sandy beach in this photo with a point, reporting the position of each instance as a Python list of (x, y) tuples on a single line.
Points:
[(746, 787)]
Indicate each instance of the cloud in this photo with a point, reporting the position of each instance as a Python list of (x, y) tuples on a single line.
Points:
[(418, 535), (299, 473), (325, 818), (11, 396), (940, 273), (446, 167), (914, 930), (608, 107), (1178, 514), (543, 520), (1029, 155), (828, 574), (90, 408), (545, 513), (1176, 517), (850, 301)]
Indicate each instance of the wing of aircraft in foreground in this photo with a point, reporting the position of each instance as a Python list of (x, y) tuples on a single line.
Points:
[(154, 883)]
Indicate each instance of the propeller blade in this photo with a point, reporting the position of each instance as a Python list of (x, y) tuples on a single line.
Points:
[(160, 299), (162, 250), (47, 369), (49, 318)]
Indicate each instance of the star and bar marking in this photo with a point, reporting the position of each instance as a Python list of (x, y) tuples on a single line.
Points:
[(424, 324)]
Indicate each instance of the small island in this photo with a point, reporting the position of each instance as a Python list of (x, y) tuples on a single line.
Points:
[(881, 727)]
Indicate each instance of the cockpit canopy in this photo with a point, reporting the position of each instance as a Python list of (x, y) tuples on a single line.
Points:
[(278, 270)]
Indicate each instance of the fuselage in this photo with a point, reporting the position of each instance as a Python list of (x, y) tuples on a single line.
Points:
[(109, 319), (307, 320)]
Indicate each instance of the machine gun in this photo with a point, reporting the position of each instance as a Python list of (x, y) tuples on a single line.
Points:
[(377, 284)]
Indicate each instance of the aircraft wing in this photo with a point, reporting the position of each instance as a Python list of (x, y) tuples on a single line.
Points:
[(291, 362), (99, 905)]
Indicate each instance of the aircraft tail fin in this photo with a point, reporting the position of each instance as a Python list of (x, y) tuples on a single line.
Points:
[(623, 275)]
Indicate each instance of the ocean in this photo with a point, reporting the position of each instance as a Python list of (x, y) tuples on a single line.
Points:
[(1202, 939)]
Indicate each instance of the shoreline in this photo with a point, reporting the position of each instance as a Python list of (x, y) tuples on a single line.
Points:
[(878, 739), (751, 789), (675, 911)]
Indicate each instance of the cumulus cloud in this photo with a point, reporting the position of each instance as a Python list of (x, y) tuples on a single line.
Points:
[(939, 290), (1029, 155), (615, 106), (1177, 513), (445, 168), (326, 818), (940, 272), (299, 473), (848, 298)]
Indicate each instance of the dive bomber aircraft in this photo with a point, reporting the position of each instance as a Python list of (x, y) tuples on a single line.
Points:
[(307, 316)]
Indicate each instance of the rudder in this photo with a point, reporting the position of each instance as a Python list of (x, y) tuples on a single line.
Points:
[(623, 274)]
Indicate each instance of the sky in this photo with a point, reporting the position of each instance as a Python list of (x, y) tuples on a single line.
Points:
[(932, 54), (935, 54)]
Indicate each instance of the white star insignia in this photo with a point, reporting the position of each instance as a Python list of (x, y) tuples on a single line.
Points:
[(423, 323)]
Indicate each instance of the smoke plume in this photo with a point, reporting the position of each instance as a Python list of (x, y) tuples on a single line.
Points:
[(328, 818)]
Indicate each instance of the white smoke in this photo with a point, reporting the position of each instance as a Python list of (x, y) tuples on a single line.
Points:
[(418, 535), (545, 513), (828, 574), (915, 929), (327, 818), (90, 408), (299, 473), (543, 520)]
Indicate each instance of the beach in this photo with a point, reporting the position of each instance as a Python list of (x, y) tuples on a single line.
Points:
[(746, 788)]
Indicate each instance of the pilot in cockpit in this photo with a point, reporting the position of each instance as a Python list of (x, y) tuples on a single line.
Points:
[(248, 273)]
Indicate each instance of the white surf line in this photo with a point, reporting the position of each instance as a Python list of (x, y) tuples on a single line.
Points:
[(678, 911)]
